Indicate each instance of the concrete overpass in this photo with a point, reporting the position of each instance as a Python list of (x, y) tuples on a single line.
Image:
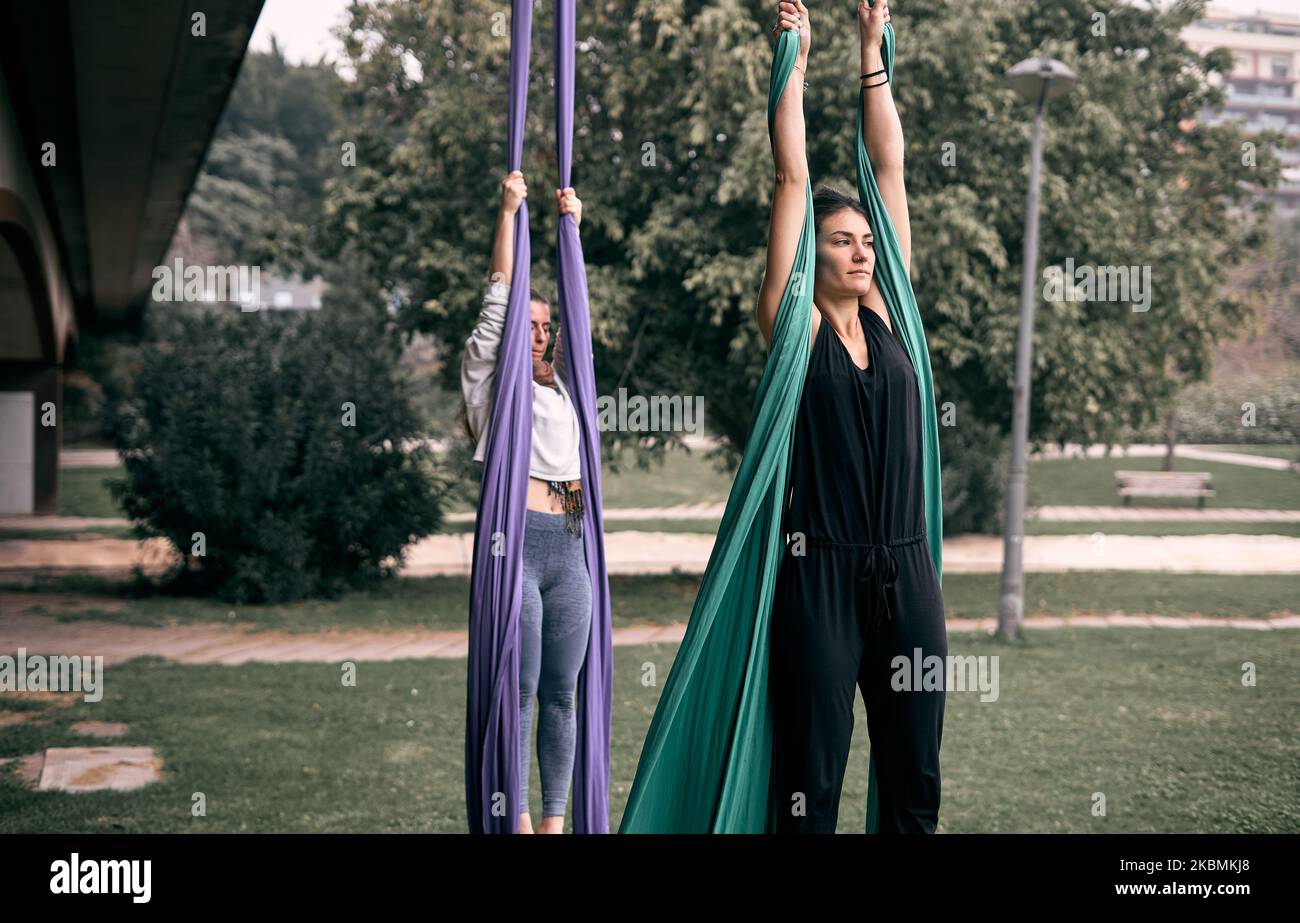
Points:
[(106, 113)]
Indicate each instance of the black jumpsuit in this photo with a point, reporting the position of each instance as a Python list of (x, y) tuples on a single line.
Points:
[(857, 588)]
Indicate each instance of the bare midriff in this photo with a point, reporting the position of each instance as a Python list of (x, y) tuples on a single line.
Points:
[(540, 498)]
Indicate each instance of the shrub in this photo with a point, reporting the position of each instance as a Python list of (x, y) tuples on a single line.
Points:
[(279, 439), (974, 457), (1255, 407)]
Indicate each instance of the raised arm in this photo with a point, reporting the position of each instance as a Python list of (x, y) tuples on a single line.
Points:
[(882, 132), (478, 362), (789, 198), (568, 203), (513, 191)]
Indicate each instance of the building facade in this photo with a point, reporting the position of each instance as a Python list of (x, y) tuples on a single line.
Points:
[(1263, 90)]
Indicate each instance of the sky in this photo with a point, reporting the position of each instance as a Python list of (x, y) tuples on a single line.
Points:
[(302, 27), (1285, 7)]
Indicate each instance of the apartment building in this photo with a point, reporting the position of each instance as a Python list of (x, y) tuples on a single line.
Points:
[(1263, 90)]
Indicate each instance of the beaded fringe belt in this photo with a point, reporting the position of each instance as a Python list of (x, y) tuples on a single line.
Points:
[(570, 495)]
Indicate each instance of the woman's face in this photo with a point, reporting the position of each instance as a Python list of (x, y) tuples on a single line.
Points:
[(846, 256), (541, 316)]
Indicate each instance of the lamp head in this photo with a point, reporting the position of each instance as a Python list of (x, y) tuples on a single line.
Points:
[(1041, 75)]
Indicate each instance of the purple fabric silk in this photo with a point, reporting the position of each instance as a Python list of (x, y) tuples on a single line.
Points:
[(492, 782)]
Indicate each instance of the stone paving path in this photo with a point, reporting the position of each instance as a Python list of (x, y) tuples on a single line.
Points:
[(634, 552)]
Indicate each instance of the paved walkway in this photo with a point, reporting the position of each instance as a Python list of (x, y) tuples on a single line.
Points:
[(223, 644), (633, 552)]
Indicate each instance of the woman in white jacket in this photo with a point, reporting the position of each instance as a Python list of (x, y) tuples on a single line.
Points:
[(555, 621)]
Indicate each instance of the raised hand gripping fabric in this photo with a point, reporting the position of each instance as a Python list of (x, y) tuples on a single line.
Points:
[(492, 783), (896, 288)]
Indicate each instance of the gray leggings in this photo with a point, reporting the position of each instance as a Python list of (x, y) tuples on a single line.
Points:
[(554, 628)]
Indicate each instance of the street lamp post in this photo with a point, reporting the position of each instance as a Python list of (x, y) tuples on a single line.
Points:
[(1037, 80)]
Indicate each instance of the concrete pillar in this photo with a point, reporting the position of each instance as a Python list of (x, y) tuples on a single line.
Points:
[(31, 394)]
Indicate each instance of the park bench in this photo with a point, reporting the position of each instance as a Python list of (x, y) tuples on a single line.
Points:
[(1132, 484)]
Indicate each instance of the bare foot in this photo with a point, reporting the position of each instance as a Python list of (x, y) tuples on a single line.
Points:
[(525, 824), (551, 824)]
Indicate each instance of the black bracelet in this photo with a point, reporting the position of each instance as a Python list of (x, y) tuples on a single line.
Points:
[(872, 74), (867, 86)]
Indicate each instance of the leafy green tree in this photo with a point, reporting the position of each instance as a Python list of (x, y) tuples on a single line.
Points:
[(672, 160), (260, 190)]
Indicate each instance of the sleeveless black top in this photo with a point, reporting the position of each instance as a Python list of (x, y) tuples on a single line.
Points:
[(856, 471)]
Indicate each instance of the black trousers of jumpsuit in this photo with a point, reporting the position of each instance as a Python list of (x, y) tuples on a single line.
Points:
[(831, 633), (862, 593)]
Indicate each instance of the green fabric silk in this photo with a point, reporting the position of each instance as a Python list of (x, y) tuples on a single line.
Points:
[(705, 765)]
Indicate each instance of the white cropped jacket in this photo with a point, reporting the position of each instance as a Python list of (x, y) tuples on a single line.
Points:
[(556, 433)]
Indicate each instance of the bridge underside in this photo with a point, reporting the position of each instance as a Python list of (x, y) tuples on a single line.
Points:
[(106, 114)]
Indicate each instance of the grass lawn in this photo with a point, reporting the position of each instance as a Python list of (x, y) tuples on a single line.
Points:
[(443, 602), (1089, 527), (1157, 721), (1091, 482), (701, 526), (682, 478), (1290, 452), (690, 478), (83, 491)]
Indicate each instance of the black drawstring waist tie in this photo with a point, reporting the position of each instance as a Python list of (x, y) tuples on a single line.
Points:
[(878, 565)]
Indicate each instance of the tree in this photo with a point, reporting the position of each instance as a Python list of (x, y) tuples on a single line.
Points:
[(672, 160), (260, 190)]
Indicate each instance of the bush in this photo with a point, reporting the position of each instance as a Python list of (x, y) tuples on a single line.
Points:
[(974, 457), (278, 438), (1260, 407)]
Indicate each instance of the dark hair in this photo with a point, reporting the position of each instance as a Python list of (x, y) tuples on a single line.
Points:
[(538, 296), (827, 200)]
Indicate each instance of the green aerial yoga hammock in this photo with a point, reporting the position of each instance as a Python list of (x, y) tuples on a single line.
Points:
[(705, 765)]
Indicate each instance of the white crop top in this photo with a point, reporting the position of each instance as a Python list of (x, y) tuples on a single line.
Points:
[(556, 432)]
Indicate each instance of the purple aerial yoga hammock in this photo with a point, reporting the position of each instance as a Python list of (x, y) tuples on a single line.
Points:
[(492, 782)]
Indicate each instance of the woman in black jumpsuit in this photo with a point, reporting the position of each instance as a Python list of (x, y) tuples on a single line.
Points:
[(862, 592), (857, 587)]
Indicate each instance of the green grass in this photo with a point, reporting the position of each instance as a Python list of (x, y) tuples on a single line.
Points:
[(1090, 527), (428, 602), (689, 478), (698, 526), (83, 492), (682, 478), (1091, 482), (1158, 593), (710, 527), (1290, 452), (443, 602), (1157, 721)]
